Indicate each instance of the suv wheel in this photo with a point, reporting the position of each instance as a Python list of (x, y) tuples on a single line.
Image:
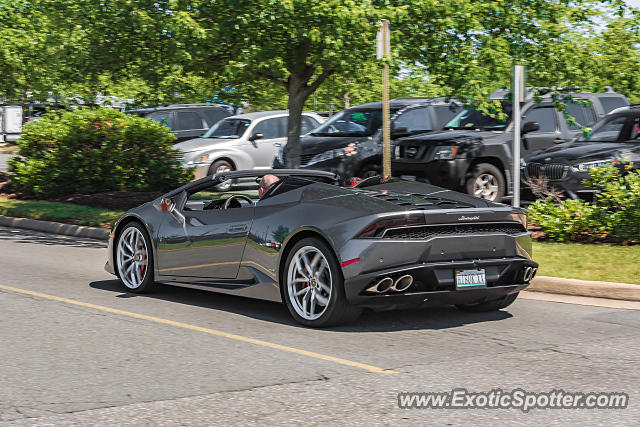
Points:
[(486, 182), (369, 170)]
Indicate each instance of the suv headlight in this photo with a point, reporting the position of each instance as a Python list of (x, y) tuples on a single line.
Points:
[(446, 152), (347, 151), (585, 167)]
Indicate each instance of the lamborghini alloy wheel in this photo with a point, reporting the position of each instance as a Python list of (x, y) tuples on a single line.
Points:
[(133, 258), (313, 287), (309, 282)]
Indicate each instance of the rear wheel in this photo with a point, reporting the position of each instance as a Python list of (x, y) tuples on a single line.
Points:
[(494, 305), (313, 286), (134, 259), (486, 182)]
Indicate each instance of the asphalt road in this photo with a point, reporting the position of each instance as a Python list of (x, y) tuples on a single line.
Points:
[(107, 357)]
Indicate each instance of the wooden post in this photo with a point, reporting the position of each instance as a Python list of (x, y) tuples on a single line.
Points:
[(383, 52)]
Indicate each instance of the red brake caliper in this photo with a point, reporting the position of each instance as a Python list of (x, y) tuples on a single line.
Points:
[(143, 268)]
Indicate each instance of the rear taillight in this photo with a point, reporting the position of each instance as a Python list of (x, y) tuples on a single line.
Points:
[(378, 228)]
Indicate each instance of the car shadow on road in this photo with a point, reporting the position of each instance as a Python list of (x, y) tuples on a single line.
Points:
[(20, 235), (427, 318)]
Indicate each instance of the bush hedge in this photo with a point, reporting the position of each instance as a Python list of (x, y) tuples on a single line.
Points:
[(95, 150), (614, 217)]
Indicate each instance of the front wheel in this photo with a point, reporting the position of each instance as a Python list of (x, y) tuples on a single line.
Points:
[(369, 171), (494, 305), (486, 182), (313, 287), (134, 259)]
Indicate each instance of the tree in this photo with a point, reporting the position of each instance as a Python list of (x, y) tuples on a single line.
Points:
[(297, 44)]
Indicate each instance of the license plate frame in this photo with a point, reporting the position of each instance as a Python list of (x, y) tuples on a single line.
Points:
[(470, 278)]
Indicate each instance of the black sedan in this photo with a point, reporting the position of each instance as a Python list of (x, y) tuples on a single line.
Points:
[(613, 140), (324, 250)]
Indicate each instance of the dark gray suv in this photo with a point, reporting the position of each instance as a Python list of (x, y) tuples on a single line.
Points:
[(186, 121), (473, 153)]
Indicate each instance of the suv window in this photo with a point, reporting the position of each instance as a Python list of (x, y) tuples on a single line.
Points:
[(269, 128), (607, 130), (187, 120), (308, 124), (214, 115), (546, 118), (444, 113), (415, 120), (161, 117), (610, 103), (583, 114)]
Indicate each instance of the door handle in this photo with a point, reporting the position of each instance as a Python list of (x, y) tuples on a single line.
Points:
[(238, 228), (277, 144), (558, 141)]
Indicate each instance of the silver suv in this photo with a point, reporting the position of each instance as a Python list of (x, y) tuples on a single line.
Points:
[(245, 141)]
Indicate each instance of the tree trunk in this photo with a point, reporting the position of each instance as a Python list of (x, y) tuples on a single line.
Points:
[(299, 90), (298, 94)]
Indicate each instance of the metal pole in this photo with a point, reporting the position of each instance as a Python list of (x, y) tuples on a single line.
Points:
[(518, 95), (386, 130)]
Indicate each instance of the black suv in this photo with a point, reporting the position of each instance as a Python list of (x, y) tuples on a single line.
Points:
[(186, 121), (473, 153), (350, 143), (614, 140)]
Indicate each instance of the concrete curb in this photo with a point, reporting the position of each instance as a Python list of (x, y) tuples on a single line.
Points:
[(55, 227), (585, 288)]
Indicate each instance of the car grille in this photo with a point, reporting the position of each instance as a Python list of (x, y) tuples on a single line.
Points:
[(425, 232), (549, 171)]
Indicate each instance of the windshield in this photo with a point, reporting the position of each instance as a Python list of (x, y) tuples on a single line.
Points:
[(474, 119), (228, 129), (607, 130), (351, 123)]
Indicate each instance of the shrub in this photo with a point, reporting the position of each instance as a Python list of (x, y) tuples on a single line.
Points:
[(95, 150), (614, 217)]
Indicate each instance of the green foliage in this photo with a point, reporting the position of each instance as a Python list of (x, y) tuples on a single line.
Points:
[(95, 150), (615, 217)]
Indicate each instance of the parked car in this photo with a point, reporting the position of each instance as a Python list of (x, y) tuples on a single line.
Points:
[(245, 141), (473, 153), (186, 121), (323, 250), (613, 140), (350, 143), (10, 123)]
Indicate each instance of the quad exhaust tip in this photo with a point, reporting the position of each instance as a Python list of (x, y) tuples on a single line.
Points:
[(529, 272), (402, 283), (383, 285)]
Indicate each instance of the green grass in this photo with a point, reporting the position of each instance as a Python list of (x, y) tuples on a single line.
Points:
[(588, 261), (59, 212)]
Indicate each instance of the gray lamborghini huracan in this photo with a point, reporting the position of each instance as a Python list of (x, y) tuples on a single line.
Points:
[(326, 251)]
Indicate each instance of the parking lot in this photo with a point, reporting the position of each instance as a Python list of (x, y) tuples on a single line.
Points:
[(78, 350)]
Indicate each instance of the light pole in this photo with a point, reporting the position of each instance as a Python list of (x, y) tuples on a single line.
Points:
[(518, 97)]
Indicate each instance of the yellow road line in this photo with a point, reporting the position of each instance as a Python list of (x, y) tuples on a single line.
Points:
[(312, 354)]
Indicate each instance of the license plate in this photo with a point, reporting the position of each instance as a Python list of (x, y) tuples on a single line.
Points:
[(470, 278)]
